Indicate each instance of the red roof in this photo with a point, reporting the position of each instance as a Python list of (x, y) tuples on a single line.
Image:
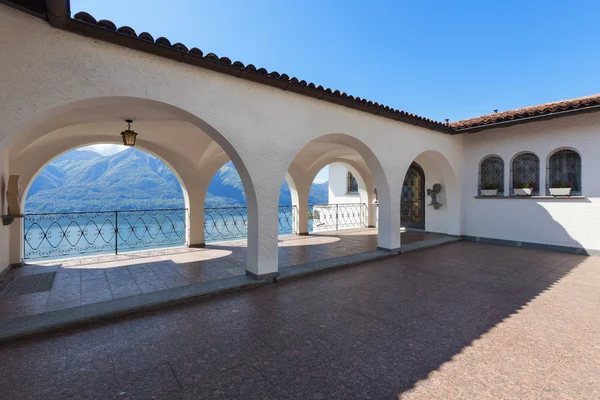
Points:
[(126, 36), (528, 112)]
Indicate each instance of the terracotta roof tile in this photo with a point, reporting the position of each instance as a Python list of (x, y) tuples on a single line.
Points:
[(196, 52), (318, 91), (528, 112)]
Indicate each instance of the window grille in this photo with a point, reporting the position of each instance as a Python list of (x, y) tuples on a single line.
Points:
[(351, 185), (492, 173), (412, 200), (526, 171), (565, 167)]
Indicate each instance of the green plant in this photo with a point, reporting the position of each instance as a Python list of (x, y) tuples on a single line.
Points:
[(489, 186), (560, 184), (524, 185)]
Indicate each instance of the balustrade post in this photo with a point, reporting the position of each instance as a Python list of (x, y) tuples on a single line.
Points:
[(337, 208), (116, 232)]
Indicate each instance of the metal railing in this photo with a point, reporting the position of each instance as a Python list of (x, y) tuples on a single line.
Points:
[(76, 233), (223, 223), (329, 217)]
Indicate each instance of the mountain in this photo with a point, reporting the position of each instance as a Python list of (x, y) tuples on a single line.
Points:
[(84, 180)]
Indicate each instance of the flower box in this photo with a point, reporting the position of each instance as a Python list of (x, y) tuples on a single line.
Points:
[(522, 191), (560, 191), (489, 192)]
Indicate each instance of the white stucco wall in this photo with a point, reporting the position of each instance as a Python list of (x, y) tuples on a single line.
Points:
[(563, 222), (338, 194), (48, 75)]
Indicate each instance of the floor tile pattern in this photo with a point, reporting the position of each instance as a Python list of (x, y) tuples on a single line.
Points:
[(462, 321), (94, 279)]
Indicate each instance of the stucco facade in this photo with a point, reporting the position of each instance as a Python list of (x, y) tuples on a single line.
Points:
[(338, 188), (62, 90), (572, 222)]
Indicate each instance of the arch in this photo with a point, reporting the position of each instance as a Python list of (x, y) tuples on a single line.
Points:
[(67, 114), (564, 168), (376, 171), (412, 201), (109, 109), (437, 169), (28, 181), (524, 170), (491, 173)]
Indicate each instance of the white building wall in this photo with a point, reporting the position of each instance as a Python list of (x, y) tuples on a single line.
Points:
[(69, 79), (562, 222), (338, 194)]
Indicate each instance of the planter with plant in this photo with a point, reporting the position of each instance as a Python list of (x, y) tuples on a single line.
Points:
[(523, 189), (488, 189), (560, 188)]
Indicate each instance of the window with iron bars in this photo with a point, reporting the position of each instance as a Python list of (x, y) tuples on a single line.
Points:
[(351, 184), (491, 174), (526, 172), (564, 169)]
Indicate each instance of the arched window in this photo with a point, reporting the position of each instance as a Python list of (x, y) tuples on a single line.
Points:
[(564, 170), (491, 174), (526, 172), (351, 185)]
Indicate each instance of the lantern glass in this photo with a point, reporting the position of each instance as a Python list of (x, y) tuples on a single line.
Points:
[(128, 137)]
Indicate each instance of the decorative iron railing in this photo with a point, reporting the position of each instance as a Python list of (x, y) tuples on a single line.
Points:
[(287, 216), (76, 233), (328, 217), (224, 223)]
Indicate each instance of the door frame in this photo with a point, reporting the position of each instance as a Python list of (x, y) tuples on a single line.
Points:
[(414, 224)]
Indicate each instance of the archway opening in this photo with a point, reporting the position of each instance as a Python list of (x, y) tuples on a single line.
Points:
[(412, 200), (338, 199), (334, 178), (430, 197), (103, 199), (190, 146)]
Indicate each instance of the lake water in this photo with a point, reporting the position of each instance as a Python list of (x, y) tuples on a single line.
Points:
[(58, 236)]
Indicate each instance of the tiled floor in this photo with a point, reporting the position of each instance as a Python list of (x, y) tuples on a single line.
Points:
[(464, 321), (94, 279)]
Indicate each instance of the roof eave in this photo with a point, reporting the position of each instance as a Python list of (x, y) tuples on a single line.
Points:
[(115, 37), (534, 118)]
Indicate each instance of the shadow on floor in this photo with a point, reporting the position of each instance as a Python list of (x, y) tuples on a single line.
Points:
[(372, 331)]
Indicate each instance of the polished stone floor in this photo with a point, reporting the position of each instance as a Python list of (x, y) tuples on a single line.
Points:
[(94, 279), (462, 321)]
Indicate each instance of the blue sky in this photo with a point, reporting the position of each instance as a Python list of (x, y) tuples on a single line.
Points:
[(439, 59)]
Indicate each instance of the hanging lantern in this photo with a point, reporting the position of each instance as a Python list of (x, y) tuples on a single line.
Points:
[(128, 135)]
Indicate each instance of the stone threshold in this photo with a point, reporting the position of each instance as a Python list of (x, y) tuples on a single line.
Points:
[(74, 316)]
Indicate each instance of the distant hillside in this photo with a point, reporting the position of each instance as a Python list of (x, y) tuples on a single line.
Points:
[(132, 179)]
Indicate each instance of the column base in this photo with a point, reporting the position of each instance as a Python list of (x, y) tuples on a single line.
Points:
[(371, 226), (270, 277), (197, 245), (397, 250), (303, 234)]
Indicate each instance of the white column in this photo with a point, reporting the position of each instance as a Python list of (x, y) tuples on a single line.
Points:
[(263, 230), (372, 209), (389, 219), (302, 208), (196, 216), (16, 243)]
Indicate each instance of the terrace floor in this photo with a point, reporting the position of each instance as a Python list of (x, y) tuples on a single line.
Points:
[(464, 321), (95, 279)]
